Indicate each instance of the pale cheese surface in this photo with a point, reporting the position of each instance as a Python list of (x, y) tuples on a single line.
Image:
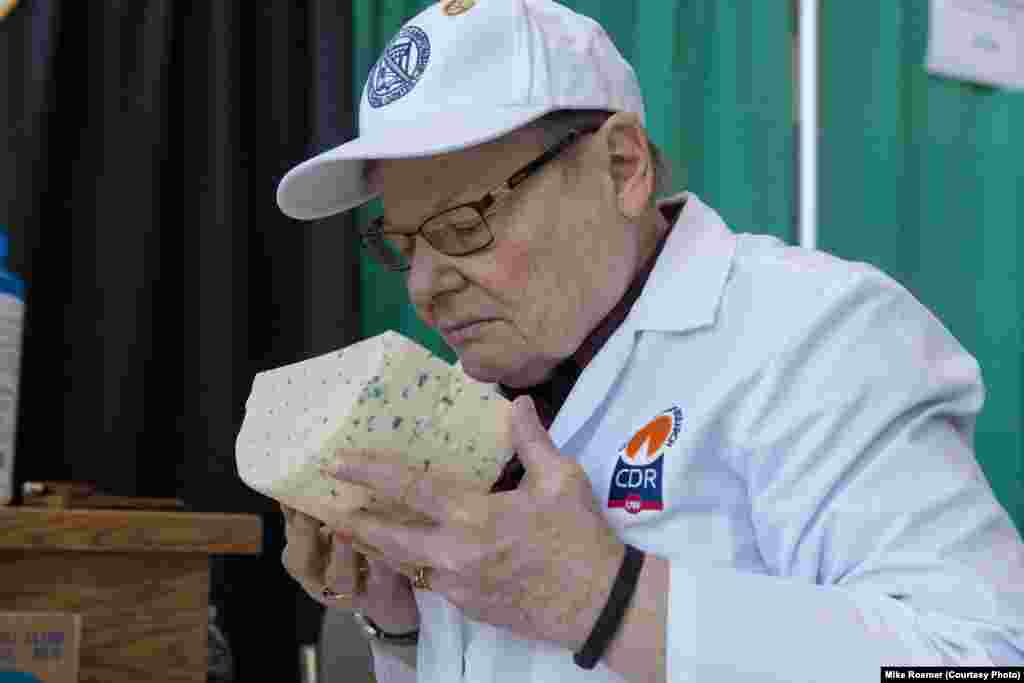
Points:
[(385, 393)]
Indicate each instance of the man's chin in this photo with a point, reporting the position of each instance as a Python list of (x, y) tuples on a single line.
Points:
[(509, 374), (480, 370)]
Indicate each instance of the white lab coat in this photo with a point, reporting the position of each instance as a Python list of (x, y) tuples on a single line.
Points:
[(822, 508)]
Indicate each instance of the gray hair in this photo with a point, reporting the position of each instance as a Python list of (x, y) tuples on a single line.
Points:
[(556, 125)]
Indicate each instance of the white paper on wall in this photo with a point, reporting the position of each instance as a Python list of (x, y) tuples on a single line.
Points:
[(978, 40)]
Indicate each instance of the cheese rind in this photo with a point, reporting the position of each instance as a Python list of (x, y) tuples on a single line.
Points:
[(385, 393)]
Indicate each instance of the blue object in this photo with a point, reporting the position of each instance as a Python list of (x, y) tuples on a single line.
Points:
[(9, 282), (17, 677)]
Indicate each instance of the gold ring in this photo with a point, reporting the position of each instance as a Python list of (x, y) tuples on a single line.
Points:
[(420, 580), (331, 595)]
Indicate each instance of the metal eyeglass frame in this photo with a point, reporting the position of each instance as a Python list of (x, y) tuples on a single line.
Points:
[(374, 232)]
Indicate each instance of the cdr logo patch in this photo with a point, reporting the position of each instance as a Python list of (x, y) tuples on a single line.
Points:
[(637, 479)]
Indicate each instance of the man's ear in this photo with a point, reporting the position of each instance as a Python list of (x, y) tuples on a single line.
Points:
[(629, 162)]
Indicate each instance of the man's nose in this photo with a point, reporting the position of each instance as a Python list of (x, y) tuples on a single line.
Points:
[(431, 273)]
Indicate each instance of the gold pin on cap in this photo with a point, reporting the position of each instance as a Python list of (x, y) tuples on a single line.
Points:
[(454, 8)]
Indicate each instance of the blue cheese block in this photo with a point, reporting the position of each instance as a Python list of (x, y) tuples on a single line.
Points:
[(385, 393)]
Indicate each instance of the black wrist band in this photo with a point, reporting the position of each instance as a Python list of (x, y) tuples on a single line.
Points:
[(375, 632), (611, 616)]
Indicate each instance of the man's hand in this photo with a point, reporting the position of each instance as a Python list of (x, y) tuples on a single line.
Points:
[(317, 558), (539, 560)]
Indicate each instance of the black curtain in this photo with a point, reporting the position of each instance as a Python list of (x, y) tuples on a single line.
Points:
[(143, 143)]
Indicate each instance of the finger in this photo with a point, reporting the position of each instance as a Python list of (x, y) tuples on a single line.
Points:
[(404, 570), (316, 592), (439, 580), (400, 544), (381, 566), (532, 442), (300, 520), (342, 572), (367, 551), (379, 569), (387, 577), (383, 472), (436, 496), (288, 513), (304, 554)]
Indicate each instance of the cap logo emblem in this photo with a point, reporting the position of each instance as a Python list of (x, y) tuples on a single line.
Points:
[(399, 68), (454, 8)]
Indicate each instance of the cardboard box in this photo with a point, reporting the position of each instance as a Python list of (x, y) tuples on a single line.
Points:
[(39, 646)]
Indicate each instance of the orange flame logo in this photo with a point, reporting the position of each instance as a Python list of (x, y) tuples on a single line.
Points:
[(654, 434)]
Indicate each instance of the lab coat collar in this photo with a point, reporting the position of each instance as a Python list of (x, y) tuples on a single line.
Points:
[(685, 289)]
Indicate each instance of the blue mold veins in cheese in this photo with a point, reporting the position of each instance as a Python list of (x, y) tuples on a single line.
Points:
[(298, 416)]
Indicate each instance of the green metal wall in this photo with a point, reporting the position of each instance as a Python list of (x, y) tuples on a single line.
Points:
[(922, 177)]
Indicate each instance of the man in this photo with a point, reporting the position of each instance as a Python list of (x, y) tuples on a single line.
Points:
[(743, 461)]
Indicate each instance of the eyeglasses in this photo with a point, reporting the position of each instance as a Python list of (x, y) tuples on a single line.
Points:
[(459, 230)]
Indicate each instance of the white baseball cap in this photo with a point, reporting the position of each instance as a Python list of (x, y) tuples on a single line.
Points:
[(459, 74)]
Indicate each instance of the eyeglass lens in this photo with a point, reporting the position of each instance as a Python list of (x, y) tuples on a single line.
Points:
[(456, 233)]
